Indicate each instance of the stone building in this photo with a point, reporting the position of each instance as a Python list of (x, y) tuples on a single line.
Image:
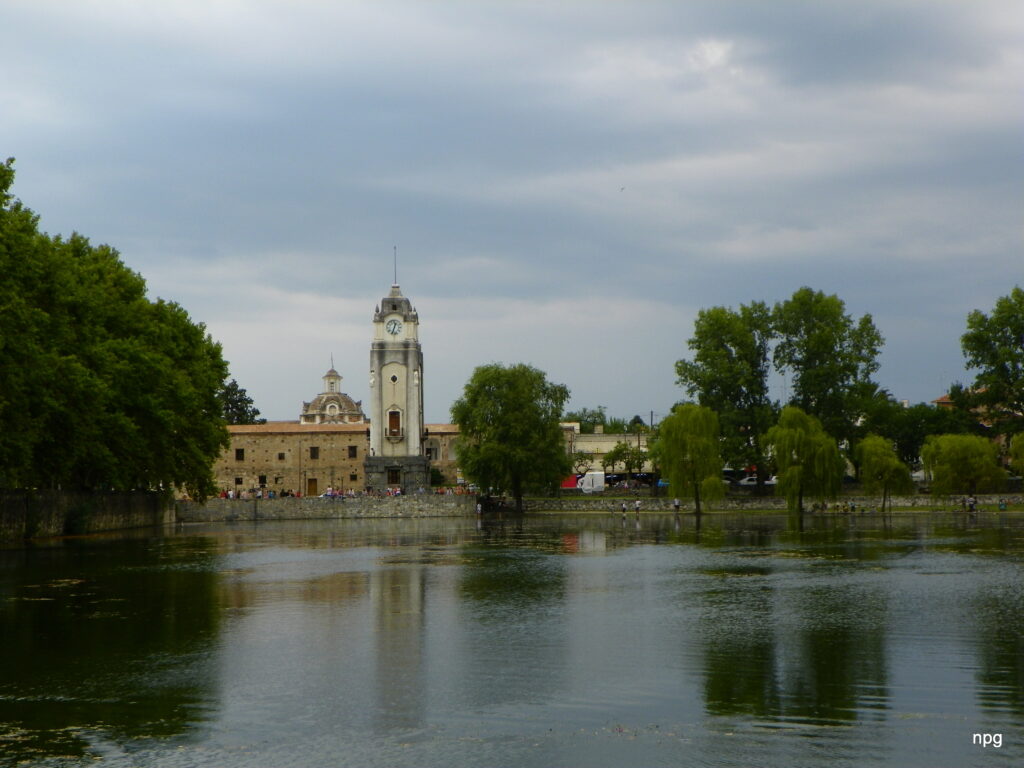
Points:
[(292, 456), (333, 445), (310, 458)]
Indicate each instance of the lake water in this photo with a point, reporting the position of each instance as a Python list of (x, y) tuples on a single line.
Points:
[(554, 641)]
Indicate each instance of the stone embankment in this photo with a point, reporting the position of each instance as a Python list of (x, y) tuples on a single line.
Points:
[(923, 503), (291, 508), (38, 514)]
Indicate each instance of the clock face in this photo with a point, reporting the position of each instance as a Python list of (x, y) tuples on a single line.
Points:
[(393, 326)]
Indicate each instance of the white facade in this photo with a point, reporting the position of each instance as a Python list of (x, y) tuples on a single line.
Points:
[(396, 379)]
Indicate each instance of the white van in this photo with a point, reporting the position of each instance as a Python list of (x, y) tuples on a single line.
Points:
[(592, 482)]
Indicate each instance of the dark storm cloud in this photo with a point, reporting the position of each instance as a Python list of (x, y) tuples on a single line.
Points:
[(532, 162)]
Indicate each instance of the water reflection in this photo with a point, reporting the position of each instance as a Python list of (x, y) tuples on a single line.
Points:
[(112, 641), (512, 589), (780, 651), (738, 636), (836, 667), (398, 597), (554, 640), (999, 627)]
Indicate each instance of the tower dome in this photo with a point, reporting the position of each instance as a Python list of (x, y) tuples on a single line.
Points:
[(332, 406)]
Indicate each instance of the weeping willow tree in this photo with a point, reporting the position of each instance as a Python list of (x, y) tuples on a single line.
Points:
[(688, 451), (962, 464), (881, 470), (1017, 453), (807, 458)]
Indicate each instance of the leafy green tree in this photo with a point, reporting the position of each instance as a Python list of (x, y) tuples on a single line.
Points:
[(729, 375), (237, 406), (511, 440), (631, 457), (1017, 453), (588, 418), (636, 457), (27, 261), (881, 470), (908, 427), (615, 425), (582, 462), (614, 457), (830, 356), (100, 388), (807, 458), (962, 464), (688, 451), (994, 346)]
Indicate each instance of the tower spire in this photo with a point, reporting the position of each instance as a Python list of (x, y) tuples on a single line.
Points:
[(396, 266)]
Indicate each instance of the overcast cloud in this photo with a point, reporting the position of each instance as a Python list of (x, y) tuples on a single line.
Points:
[(567, 183)]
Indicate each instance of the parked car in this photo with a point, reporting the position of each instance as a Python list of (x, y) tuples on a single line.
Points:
[(750, 481)]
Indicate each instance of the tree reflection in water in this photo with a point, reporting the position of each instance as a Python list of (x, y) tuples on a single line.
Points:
[(110, 639)]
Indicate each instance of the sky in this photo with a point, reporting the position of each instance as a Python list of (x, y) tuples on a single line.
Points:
[(567, 184)]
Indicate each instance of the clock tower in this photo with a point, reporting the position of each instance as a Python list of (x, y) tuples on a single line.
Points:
[(396, 457)]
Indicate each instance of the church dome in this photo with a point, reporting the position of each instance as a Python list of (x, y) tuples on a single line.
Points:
[(332, 406)]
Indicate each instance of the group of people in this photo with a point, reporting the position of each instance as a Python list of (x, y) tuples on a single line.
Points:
[(258, 493), (843, 508), (338, 493), (636, 508)]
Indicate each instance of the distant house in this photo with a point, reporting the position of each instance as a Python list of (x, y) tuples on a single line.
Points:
[(599, 443)]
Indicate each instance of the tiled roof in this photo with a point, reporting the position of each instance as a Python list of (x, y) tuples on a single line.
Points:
[(292, 427)]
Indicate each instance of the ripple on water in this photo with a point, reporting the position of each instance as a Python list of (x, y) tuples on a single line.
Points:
[(551, 645)]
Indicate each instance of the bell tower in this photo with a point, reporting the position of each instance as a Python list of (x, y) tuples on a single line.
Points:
[(396, 398)]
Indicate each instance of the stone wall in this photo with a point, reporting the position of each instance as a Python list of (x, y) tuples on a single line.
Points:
[(413, 505), (35, 514)]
